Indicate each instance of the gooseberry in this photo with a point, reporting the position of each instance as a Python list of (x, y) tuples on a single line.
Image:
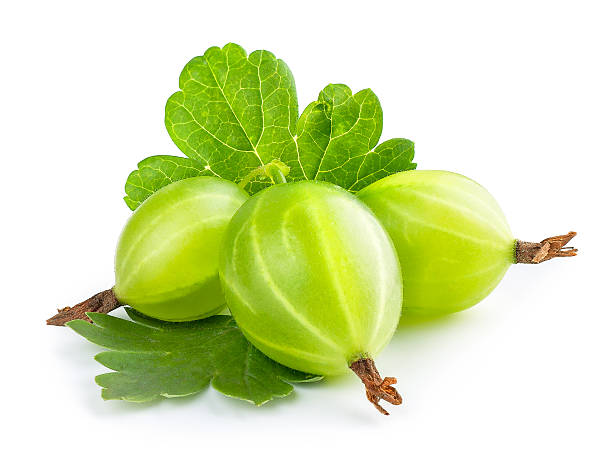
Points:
[(313, 281), (453, 241), (167, 260)]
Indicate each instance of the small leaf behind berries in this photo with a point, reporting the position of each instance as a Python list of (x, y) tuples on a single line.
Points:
[(155, 359), (337, 137), (392, 156), (155, 172)]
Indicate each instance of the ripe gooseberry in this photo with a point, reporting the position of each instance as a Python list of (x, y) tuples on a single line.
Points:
[(452, 239), (313, 281), (167, 260)]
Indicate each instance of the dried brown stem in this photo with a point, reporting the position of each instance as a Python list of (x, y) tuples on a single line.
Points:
[(103, 302), (376, 387), (551, 247)]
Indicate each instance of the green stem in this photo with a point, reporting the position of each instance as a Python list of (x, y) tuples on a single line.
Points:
[(275, 171)]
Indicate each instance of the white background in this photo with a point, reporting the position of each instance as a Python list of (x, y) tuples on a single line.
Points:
[(516, 95)]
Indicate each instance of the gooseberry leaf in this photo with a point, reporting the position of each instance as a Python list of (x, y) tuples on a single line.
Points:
[(389, 157), (155, 172), (236, 112), (154, 359), (337, 137)]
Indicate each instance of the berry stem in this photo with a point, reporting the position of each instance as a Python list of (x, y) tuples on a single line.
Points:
[(103, 302), (376, 387), (275, 171), (551, 247), (276, 174)]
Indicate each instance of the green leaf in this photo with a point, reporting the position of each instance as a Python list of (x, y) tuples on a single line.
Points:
[(155, 172), (392, 156), (155, 359), (235, 113), (337, 137)]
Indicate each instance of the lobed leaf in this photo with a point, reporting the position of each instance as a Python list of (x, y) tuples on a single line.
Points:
[(392, 156), (234, 113), (155, 172), (337, 137), (154, 359)]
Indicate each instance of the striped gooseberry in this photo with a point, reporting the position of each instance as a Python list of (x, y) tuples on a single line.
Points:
[(313, 281), (167, 260), (453, 241)]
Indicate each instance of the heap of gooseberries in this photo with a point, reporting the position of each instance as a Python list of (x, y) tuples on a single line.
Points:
[(316, 277)]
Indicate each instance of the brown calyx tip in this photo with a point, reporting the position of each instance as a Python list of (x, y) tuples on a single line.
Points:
[(376, 387), (551, 247), (103, 302)]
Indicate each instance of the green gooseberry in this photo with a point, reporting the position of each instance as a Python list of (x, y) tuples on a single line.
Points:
[(453, 241), (313, 281), (167, 260)]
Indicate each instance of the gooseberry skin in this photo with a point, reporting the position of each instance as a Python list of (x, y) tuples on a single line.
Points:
[(167, 259), (453, 241), (311, 277)]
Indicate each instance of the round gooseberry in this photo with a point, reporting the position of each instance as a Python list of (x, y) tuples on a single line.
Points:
[(453, 241), (167, 260), (313, 281)]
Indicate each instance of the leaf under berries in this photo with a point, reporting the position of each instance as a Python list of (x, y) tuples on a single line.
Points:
[(154, 359)]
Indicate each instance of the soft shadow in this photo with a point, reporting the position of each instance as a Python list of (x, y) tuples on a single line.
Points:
[(415, 322), (119, 406), (420, 332)]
